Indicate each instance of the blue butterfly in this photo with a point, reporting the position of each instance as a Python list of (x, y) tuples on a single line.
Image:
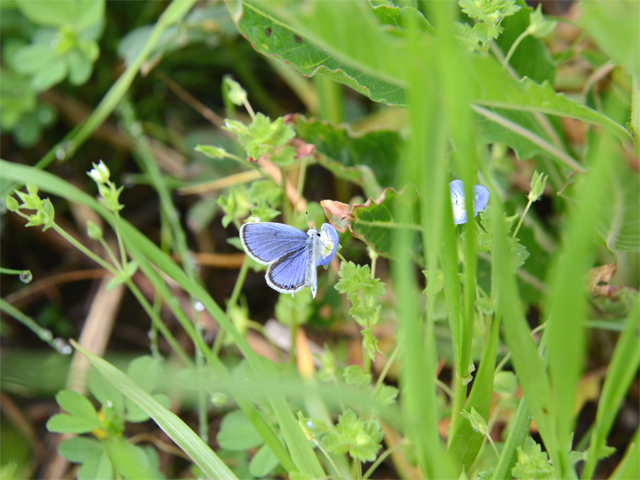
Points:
[(292, 255)]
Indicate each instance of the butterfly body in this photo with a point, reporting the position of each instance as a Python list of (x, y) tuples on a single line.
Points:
[(291, 254)]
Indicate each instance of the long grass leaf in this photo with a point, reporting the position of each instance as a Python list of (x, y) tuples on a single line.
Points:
[(170, 423)]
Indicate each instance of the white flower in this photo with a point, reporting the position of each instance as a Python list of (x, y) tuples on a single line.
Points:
[(100, 173)]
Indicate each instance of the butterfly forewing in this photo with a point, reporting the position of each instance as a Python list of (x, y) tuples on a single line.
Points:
[(287, 274), (266, 242)]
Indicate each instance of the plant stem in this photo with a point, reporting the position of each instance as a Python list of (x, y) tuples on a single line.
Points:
[(44, 334), (521, 219), (381, 459), (522, 36), (293, 331), (286, 207), (301, 177), (237, 288)]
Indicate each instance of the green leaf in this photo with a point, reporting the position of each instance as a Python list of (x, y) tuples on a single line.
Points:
[(130, 461), (361, 290), (619, 223), (387, 394), (347, 155), (173, 426), (105, 392), (63, 423), (400, 18), (279, 40), (486, 238), (614, 27), (80, 449), (80, 68), (144, 371), (370, 344), (373, 221), (237, 432), (263, 462), (78, 406), (360, 438), (31, 58), (49, 75), (353, 375), (532, 463), (49, 12), (96, 468)]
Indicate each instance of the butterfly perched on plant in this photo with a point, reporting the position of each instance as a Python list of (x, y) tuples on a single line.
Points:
[(292, 255)]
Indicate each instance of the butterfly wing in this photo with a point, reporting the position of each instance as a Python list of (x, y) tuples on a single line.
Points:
[(290, 273), (266, 242)]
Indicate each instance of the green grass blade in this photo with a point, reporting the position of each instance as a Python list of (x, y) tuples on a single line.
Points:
[(170, 423), (529, 367), (629, 467), (518, 433), (467, 442), (567, 299), (622, 370)]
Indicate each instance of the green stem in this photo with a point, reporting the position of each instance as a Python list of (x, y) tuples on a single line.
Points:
[(112, 256), (328, 457), (522, 36), (86, 251), (235, 294), (381, 459), (44, 334), (301, 178), (515, 232), (459, 399), (286, 207), (358, 467), (9, 271), (123, 252)]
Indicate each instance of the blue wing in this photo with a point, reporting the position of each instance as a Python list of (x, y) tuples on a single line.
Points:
[(266, 242), (288, 273)]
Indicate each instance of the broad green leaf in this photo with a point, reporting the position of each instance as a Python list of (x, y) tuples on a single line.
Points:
[(378, 150), (497, 89), (144, 371), (31, 58), (263, 462), (280, 40), (77, 405), (400, 18), (237, 432), (373, 221), (531, 58), (130, 461), (49, 75), (620, 220), (48, 12), (105, 392), (96, 468), (614, 27), (333, 28), (63, 423), (171, 424), (519, 131), (80, 449), (80, 68)]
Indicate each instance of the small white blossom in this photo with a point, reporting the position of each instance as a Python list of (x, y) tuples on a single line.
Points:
[(100, 173)]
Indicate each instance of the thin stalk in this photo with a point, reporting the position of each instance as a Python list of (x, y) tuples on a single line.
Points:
[(293, 332), (328, 457), (524, 214), (515, 44), (112, 255), (43, 333), (386, 368), (85, 250), (237, 288), (301, 178), (381, 459), (123, 252), (286, 207)]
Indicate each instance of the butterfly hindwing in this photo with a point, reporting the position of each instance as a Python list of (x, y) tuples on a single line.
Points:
[(288, 273), (266, 242)]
